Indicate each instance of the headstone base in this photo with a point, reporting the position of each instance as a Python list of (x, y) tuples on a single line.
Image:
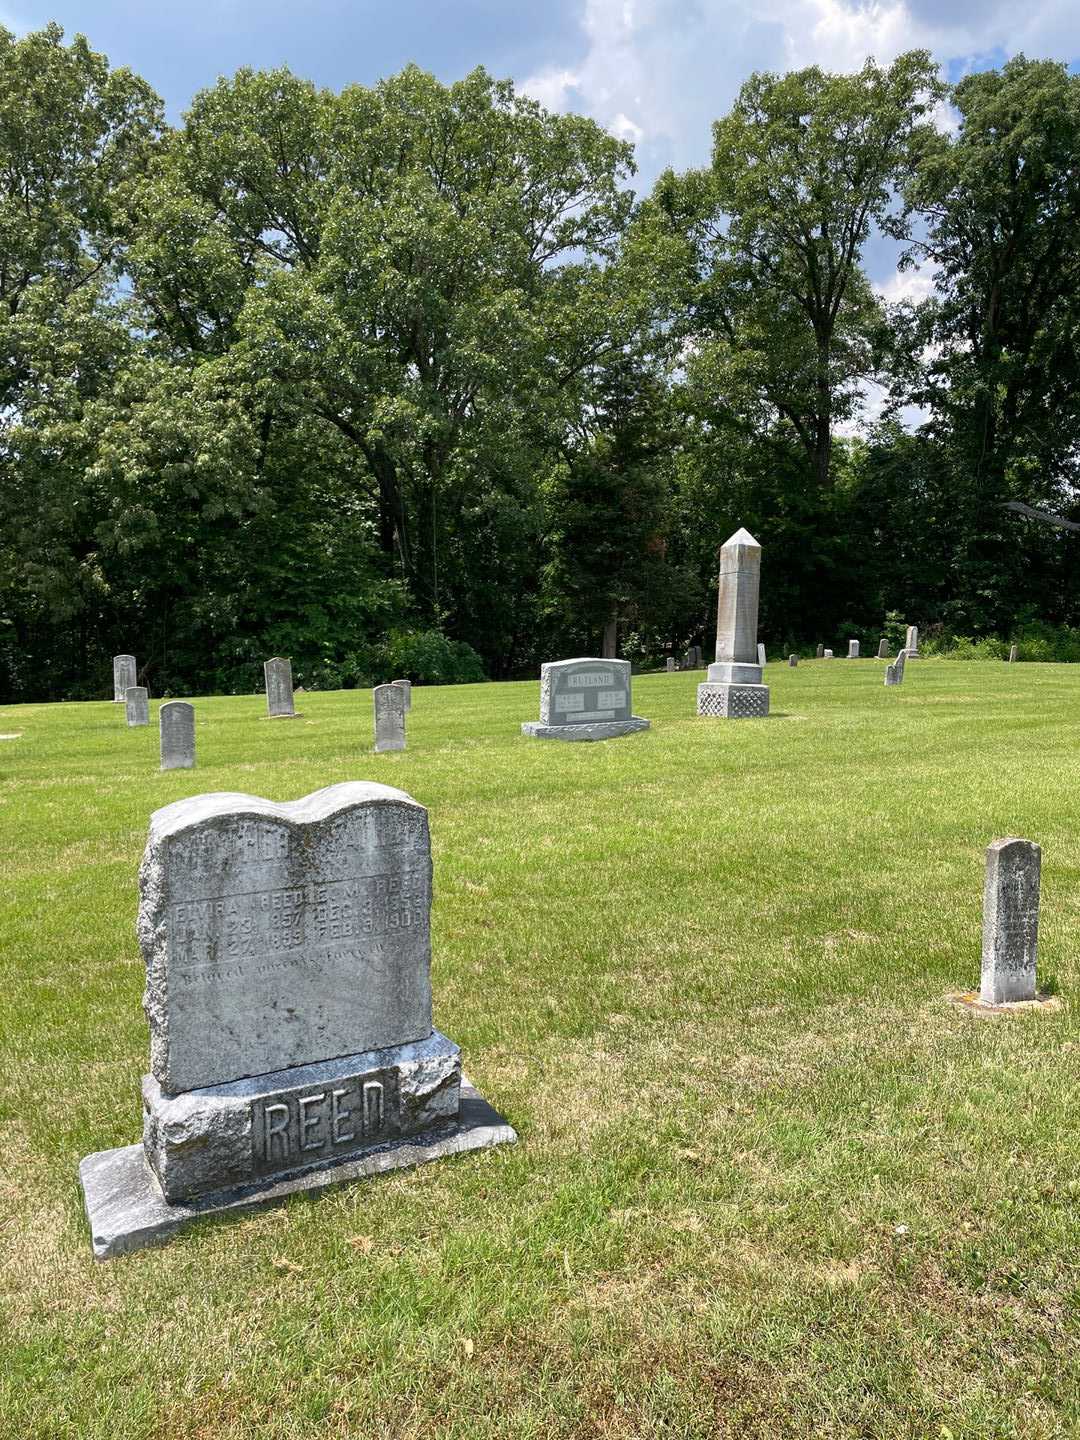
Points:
[(127, 1210), (598, 730), (286, 715), (272, 1126), (733, 702)]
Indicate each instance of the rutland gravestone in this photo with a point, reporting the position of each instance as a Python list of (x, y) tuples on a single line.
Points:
[(177, 721), (124, 677), (733, 689), (288, 990), (584, 699), (279, 688), (1010, 922), (137, 700), (389, 704)]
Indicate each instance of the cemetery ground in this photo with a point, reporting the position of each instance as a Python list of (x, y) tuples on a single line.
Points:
[(769, 1181)]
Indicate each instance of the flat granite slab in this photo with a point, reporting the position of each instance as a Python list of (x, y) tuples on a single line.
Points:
[(596, 730), (128, 1212)]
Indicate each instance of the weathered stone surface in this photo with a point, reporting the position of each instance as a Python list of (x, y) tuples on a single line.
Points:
[(277, 935), (793, 660), (669, 664), (1010, 921), (127, 1210), (762, 659), (584, 699), (137, 700), (277, 673), (911, 644), (853, 649), (894, 673), (124, 677), (733, 702), (406, 687), (820, 652), (177, 721), (275, 1125), (883, 649), (389, 705), (1014, 653)]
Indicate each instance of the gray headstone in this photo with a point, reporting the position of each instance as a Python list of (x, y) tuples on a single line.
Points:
[(389, 707), (761, 657), (288, 990), (853, 650), (894, 673), (883, 649), (300, 929), (584, 699), (406, 687), (827, 655), (669, 664), (137, 699), (1010, 921), (124, 677), (793, 660), (734, 689), (279, 688), (177, 721), (1013, 653), (820, 652), (911, 644)]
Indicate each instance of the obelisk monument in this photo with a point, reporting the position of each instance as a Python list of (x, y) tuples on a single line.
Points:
[(734, 689)]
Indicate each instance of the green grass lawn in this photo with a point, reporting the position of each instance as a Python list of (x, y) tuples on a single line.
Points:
[(769, 1181)]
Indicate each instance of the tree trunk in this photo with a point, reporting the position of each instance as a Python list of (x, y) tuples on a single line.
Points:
[(611, 638)]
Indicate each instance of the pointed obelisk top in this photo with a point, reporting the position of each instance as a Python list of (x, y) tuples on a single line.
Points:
[(741, 537)]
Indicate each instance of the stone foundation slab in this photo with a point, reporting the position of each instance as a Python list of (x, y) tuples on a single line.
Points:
[(598, 730)]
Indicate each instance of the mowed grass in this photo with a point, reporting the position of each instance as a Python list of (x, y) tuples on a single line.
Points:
[(769, 1181)]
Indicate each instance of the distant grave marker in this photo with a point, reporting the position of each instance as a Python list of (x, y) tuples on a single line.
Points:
[(124, 677), (176, 719), (137, 700), (389, 705), (277, 672)]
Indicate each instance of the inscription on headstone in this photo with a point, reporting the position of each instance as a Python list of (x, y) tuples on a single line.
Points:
[(277, 672), (288, 956), (1010, 921), (124, 677), (137, 700), (177, 721), (389, 703)]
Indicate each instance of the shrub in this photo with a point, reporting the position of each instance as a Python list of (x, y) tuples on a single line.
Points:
[(426, 657)]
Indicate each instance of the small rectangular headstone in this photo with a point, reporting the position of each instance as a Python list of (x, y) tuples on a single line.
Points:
[(1013, 653), (277, 672), (669, 664), (137, 699), (389, 703), (177, 721), (406, 688), (828, 655), (793, 660), (1010, 921), (911, 644), (883, 649), (853, 650), (124, 677), (820, 652), (761, 660)]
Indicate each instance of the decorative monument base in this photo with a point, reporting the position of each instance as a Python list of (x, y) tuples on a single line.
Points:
[(598, 730), (733, 702), (128, 1211)]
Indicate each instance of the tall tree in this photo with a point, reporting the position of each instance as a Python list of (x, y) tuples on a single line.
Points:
[(1000, 201), (782, 327)]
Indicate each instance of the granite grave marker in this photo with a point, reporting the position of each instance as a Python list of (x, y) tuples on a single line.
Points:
[(390, 706), (279, 688), (1010, 921), (584, 699), (124, 677), (137, 701), (176, 719)]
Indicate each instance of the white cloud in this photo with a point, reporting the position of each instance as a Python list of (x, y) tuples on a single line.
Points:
[(660, 71)]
